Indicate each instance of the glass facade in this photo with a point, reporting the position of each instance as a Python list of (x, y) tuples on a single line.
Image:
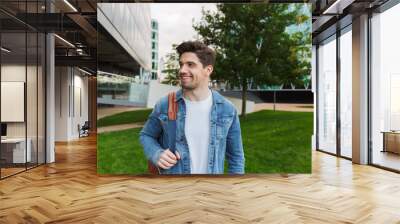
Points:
[(116, 89), (327, 95), (154, 49), (22, 79), (335, 106), (385, 89), (346, 93), (379, 75), (125, 83)]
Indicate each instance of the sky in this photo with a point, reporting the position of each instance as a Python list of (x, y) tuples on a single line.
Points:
[(175, 22)]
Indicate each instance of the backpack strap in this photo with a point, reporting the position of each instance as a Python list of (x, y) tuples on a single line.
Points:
[(172, 106), (172, 115), (152, 169)]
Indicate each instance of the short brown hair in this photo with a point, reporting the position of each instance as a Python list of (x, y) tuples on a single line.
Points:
[(205, 54)]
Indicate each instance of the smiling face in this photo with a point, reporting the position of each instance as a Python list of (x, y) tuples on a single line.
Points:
[(192, 73)]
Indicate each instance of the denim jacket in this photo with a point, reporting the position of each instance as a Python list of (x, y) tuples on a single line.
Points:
[(225, 136)]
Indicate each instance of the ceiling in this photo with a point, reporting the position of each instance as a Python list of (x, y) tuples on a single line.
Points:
[(77, 25), (328, 15)]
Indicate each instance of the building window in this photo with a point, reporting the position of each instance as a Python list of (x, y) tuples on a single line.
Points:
[(327, 95), (154, 25), (385, 89), (346, 94)]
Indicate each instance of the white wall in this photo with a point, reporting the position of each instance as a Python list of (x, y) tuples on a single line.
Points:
[(79, 117), (62, 80), (33, 126), (12, 101), (238, 105), (158, 90), (71, 87), (12, 73)]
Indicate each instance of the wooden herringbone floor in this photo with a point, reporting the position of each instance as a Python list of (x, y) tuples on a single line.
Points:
[(70, 191)]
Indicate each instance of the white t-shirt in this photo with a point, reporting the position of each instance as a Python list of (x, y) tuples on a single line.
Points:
[(197, 132)]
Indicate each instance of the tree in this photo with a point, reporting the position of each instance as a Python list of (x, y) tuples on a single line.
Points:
[(253, 43), (171, 68)]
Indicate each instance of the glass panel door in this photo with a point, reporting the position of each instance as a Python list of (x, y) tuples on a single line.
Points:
[(385, 89), (327, 95), (346, 94)]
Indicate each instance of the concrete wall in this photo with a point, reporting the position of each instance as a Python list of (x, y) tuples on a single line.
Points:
[(238, 105), (360, 90), (50, 95), (158, 90)]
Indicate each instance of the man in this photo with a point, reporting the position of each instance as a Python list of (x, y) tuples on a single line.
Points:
[(206, 129)]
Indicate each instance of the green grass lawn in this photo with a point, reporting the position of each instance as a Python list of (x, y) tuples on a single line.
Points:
[(120, 152), (124, 118), (273, 142)]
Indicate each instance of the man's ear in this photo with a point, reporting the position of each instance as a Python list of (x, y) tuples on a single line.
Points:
[(209, 69)]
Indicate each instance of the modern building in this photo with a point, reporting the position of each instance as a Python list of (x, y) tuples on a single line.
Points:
[(161, 66), (154, 49), (124, 54)]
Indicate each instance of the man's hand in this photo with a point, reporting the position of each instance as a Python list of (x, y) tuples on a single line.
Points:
[(168, 159)]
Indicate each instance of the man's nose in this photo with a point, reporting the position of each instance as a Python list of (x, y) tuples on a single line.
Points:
[(183, 69)]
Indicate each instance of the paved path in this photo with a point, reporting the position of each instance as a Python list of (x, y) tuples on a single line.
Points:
[(107, 111), (119, 127), (284, 107)]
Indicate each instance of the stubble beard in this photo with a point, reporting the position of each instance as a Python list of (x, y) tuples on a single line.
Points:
[(189, 86)]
